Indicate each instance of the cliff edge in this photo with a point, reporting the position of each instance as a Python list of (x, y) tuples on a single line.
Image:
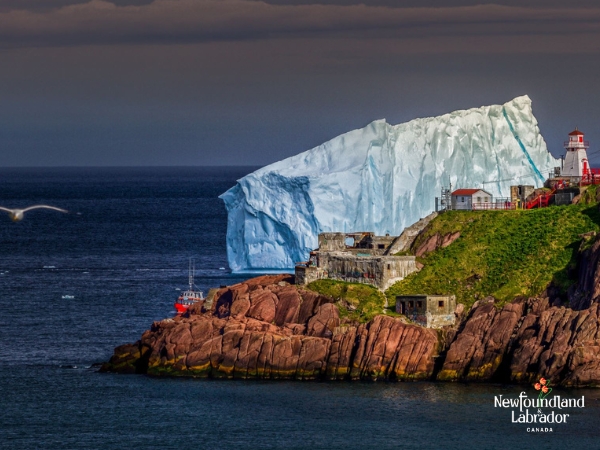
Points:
[(268, 328)]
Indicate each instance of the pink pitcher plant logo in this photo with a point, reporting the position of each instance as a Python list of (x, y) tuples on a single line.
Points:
[(544, 387)]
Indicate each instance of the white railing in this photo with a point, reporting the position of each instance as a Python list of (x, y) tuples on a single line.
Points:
[(499, 204), (577, 144)]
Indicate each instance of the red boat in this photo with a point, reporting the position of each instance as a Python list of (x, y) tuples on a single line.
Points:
[(191, 296)]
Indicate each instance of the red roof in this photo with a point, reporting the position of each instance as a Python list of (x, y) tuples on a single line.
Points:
[(466, 191), (576, 133)]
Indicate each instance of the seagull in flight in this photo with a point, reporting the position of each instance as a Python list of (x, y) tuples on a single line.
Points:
[(17, 214)]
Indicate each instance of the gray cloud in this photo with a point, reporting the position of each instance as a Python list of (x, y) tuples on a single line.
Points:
[(47, 5), (52, 4), (443, 3), (176, 21)]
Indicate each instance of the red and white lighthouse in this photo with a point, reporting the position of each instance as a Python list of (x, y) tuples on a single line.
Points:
[(576, 161)]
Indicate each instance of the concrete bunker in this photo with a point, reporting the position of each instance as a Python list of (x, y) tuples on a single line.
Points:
[(355, 257), (431, 311)]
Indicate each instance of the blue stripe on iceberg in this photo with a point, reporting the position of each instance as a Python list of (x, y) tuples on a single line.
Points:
[(380, 178)]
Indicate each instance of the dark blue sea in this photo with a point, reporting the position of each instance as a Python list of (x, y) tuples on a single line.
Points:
[(122, 253)]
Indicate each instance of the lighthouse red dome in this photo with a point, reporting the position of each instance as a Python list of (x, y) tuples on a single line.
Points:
[(576, 133)]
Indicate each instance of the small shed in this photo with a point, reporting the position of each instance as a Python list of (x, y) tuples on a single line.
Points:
[(468, 199), (431, 311)]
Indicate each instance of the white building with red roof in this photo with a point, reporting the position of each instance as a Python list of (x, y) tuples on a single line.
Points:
[(576, 161), (468, 199)]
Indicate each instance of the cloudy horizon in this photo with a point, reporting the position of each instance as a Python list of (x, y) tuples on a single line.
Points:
[(219, 82)]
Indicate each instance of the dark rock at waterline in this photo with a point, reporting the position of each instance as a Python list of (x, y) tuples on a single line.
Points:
[(477, 351), (524, 341)]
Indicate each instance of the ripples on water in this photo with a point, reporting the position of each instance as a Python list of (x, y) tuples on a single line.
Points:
[(122, 259)]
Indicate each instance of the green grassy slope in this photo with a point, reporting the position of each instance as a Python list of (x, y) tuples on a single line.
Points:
[(502, 253), (356, 302)]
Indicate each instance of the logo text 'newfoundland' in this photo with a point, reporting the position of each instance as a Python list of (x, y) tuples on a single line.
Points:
[(529, 411)]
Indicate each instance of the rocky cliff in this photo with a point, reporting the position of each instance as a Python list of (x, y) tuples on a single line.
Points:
[(269, 328), (524, 341)]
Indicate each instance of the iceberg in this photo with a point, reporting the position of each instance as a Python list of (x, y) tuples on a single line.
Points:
[(379, 178)]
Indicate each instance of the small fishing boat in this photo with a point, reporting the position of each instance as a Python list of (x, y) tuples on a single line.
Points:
[(192, 295)]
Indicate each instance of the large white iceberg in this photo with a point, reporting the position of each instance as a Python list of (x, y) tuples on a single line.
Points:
[(380, 178)]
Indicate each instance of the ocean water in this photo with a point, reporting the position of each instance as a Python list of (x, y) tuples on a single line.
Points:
[(122, 254)]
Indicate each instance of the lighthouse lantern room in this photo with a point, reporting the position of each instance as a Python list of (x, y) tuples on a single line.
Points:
[(576, 162)]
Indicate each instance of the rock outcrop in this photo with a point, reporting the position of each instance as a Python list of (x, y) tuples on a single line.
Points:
[(558, 343), (479, 348), (524, 341), (403, 242), (268, 328), (436, 241), (587, 290)]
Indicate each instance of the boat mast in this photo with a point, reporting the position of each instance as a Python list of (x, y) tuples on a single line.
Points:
[(192, 268)]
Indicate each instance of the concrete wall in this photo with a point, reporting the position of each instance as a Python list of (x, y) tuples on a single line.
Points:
[(431, 311), (363, 242), (563, 198), (305, 275), (364, 263), (520, 193), (332, 242), (379, 271), (381, 243)]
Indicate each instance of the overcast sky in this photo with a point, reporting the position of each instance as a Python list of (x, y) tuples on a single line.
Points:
[(244, 82)]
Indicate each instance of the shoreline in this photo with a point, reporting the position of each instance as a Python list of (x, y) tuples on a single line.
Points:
[(266, 328)]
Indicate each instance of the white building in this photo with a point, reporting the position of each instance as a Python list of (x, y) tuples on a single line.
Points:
[(469, 199), (576, 162)]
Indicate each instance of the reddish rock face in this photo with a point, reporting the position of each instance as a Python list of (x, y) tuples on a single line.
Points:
[(269, 280), (263, 303), (309, 304), (263, 330), (287, 306), (436, 241), (340, 354), (449, 239), (559, 344), (524, 341), (278, 331), (428, 246), (325, 320), (240, 307), (478, 350), (390, 349)]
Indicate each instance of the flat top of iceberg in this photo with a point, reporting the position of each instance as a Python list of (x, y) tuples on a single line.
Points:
[(342, 145)]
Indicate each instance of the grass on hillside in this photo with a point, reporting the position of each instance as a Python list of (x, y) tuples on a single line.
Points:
[(356, 302), (502, 253)]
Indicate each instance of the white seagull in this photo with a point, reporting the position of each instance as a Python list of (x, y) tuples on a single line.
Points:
[(17, 214)]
